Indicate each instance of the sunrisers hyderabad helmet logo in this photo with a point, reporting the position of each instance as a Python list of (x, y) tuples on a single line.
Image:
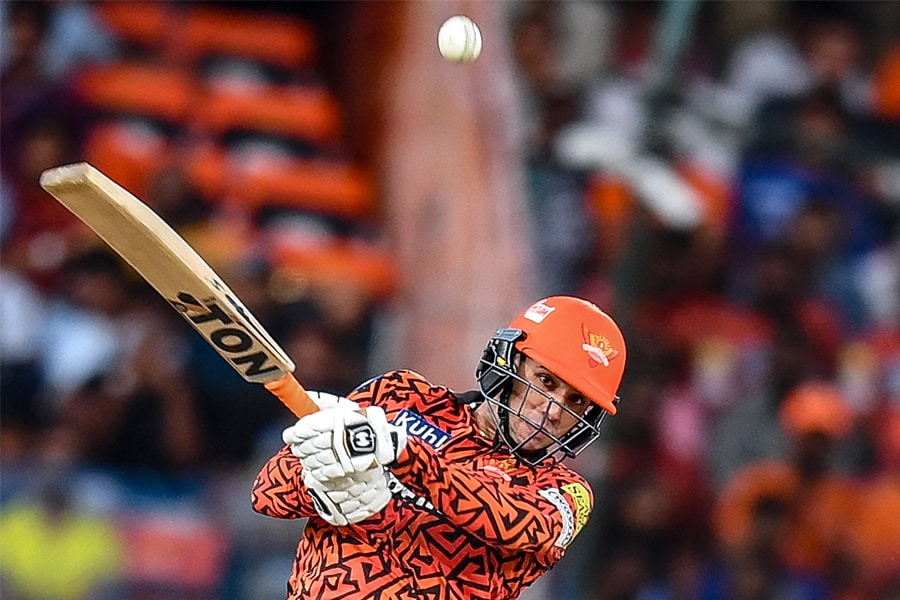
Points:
[(598, 348)]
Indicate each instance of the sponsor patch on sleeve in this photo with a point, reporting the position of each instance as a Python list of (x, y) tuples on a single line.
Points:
[(556, 498), (581, 500), (418, 427)]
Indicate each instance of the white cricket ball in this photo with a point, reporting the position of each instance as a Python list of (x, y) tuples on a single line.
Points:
[(459, 39)]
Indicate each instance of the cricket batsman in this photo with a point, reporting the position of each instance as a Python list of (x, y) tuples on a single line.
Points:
[(413, 490)]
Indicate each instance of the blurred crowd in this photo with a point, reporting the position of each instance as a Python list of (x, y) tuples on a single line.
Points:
[(722, 177), (730, 176), (126, 441)]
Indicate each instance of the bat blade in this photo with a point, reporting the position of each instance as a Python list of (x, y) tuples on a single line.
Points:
[(180, 275)]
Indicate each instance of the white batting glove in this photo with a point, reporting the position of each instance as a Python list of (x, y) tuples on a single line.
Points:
[(325, 400), (389, 440), (339, 441), (349, 499)]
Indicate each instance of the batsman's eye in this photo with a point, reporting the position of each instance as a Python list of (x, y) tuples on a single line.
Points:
[(577, 400), (548, 381)]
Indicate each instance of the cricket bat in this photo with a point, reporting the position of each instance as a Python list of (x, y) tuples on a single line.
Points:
[(169, 264)]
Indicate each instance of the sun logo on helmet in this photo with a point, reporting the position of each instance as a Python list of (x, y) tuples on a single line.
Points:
[(598, 348)]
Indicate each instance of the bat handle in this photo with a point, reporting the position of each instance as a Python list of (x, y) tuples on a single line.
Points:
[(292, 395)]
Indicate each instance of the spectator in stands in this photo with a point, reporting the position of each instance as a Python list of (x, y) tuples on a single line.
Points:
[(817, 498), (656, 502), (809, 157), (820, 237), (755, 569), (175, 198), (563, 239), (80, 335), (75, 37), (29, 90), (834, 53), (806, 329), (148, 424), (54, 550), (796, 55), (875, 532), (117, 389), (22, 309), (316, 346), (42, 232), (765, 62)]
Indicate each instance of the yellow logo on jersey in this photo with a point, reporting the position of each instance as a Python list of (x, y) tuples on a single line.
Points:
[(581, 498)]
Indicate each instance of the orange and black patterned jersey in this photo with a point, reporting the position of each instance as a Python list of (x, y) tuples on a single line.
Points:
[(466, 521)]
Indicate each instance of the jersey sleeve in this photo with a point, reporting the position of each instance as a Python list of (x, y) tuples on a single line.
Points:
[(540, 516), (278, 489)]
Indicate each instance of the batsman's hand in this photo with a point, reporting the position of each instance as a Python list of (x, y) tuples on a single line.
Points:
[(349, 499), (325, 400), (343, 440)]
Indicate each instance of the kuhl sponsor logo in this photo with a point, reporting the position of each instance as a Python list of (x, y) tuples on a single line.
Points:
[(416, 426)]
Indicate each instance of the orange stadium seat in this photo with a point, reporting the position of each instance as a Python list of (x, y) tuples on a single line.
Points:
[(336, 189), (130, 156), (175, 552), (207, 168), (141, 24), (146, 90), (309, 113), (886, 85), (276, 40), (334, 265)]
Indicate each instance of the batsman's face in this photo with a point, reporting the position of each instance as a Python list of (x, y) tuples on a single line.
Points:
[(542, 407)]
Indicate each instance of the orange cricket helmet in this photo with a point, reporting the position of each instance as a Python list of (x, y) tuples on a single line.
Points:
[(577, 342)]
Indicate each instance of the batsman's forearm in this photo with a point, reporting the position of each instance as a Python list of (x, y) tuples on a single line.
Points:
[(278, 489)]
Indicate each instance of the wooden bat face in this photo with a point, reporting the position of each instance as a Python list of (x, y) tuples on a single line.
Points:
[(177, 272)]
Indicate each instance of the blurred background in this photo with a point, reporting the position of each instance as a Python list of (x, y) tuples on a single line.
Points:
[(721, 177)]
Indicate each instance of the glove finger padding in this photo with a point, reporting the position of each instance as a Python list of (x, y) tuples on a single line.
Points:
[(335, 442), (317, 422), (312, 426), (326, 508), (349, 499), (320, 441), (369, 499), (310, 440)]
